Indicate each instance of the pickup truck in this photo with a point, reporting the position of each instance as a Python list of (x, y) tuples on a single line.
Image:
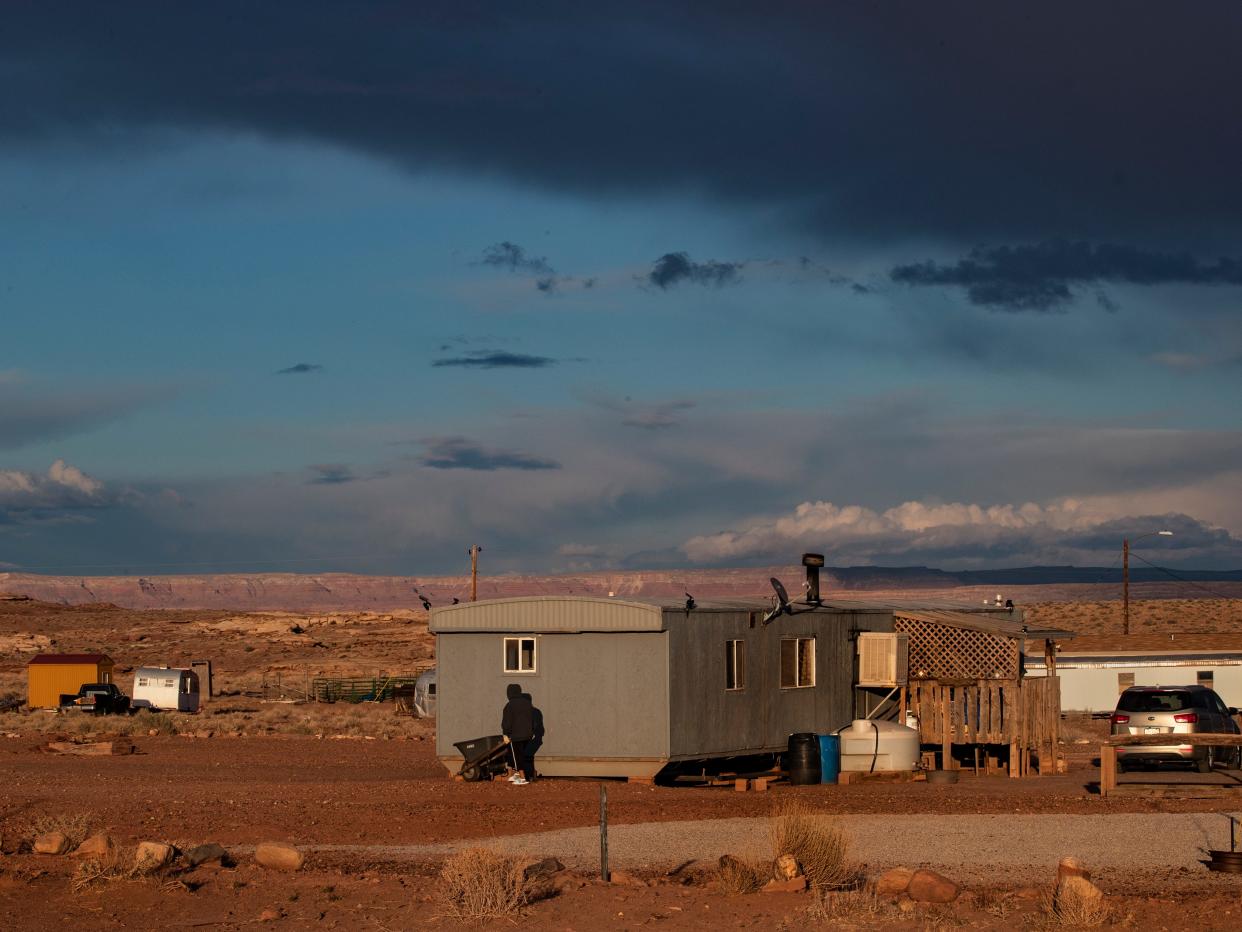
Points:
[(97, 698)]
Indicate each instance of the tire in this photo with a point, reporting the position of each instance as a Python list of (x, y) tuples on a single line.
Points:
[(1121, 765), (1204, 764), (471, 774)]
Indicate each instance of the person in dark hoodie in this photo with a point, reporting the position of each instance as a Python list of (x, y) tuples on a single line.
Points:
[(517, 723), (537, 741)]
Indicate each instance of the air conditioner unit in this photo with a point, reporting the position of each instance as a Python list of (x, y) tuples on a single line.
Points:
[(883, 659)]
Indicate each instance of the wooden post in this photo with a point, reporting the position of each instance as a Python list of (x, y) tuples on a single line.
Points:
[(1108, 769), (946, 735), (474, 551), (604, 873)]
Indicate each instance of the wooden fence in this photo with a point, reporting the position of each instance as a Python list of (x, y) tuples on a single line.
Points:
[(1023, 714)]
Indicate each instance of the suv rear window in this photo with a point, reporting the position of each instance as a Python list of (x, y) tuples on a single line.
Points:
[(1155, 702)]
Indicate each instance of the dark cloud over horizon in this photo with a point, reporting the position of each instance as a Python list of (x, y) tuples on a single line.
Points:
[(332, 474), (462, 453), (495, 359), (1046, 276), (675, 267), (843, 131), (513, 258), (300, 368)]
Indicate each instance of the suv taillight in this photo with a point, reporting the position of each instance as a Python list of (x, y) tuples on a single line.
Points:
[(1119, 719), (1187, 718)]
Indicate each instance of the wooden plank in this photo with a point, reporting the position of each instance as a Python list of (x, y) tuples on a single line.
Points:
[(1176, 738), (946, 737)]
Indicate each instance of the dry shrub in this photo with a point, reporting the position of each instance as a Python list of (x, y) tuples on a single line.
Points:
[(117, 864), (1070, 908), (480, 884), (736, 877), (851, 906), (75, 826), (820, 847)]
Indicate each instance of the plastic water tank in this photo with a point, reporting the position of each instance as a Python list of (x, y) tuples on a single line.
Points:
[(891, 746)]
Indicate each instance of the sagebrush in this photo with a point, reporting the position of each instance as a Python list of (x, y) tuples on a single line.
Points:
[(479, 884), (822, 850)]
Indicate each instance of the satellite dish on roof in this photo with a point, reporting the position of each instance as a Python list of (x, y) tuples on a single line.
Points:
[(782, 597)]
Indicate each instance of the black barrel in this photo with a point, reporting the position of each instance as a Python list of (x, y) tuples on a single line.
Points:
[(803, 759)]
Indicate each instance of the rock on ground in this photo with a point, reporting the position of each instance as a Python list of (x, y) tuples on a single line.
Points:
[(205, 854), (893, 882), (929, 887), (279, 856), (97, 846), (51, 843), (151, 856)]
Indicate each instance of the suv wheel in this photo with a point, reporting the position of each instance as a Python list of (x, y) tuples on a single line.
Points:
[(1204, 764)]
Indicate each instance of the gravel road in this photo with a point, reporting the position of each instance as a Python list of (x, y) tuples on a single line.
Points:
[(979, 848)]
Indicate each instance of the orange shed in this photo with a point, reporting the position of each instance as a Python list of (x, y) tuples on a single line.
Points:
[(50, 675)]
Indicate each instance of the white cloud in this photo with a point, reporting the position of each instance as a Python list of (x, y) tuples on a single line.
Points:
[(1067, 530), (61, 490)]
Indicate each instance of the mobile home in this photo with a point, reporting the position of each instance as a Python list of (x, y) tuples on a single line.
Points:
[(165, 689)]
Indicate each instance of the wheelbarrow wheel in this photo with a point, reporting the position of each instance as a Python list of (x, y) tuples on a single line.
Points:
[(472, 774)]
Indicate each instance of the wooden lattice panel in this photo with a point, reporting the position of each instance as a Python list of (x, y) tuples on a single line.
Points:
[(943, 652)]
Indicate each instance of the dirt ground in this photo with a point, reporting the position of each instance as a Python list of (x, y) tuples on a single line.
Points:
[(246, 771)]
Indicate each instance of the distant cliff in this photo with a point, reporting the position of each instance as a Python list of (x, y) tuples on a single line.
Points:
[(329, 592)]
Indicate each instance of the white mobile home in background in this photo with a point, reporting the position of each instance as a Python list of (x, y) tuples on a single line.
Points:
[(1097, 668), (165, 689)]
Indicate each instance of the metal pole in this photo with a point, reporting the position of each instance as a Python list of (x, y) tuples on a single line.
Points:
[(603, 834), (1125, 586)]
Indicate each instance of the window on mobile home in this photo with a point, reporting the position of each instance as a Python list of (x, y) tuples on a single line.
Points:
[(519, 655), (1205, 678), (1124, 681), (735, 664), (797, 662)]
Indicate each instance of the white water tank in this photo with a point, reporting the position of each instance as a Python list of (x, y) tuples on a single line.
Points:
[(892, 746)]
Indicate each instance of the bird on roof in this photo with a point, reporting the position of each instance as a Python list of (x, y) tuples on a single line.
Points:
[(690, 603)]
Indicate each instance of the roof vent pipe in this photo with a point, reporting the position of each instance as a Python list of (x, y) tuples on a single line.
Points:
[(812, 562)]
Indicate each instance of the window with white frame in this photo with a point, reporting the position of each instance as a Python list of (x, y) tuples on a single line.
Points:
[(735, 665), (797, 662), (1206, 678), (519, 655)]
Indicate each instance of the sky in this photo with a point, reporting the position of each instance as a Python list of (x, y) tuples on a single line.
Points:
[(314, 286)]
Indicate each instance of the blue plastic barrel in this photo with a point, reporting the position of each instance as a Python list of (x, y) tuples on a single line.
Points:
[(829, 758)]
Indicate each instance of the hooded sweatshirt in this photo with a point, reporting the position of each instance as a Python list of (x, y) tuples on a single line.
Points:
[(518, 719)]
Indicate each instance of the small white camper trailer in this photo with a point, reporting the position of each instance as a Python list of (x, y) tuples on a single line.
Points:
[(165, 689), (425, 695)]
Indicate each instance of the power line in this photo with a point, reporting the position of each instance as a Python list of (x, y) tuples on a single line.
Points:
[(1188, 582)]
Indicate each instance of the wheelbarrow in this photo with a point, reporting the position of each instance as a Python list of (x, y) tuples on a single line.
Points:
[(484, 757)]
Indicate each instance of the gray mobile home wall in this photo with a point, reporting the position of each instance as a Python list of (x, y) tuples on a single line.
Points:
[(604, 697), (706, 719)]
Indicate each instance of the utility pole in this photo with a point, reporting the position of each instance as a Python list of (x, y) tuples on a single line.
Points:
[(474, 552), (1125, 585)]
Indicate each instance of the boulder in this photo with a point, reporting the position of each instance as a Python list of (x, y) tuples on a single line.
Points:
[(51, 843), (207, 854), (544, 867), (270, 915), (793, 885), (1071, 867), (625, 879), (929, 887), (893, 882), (97, 846), (152, 855), (279, 856), (786, 868)]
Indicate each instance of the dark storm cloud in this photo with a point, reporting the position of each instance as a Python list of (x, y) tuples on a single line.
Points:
[(332, 474), (496, 359), (1044, 276), (36, 413), (461, 453), (300, 368), (513, 258), (674, 267), (954, 119)]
